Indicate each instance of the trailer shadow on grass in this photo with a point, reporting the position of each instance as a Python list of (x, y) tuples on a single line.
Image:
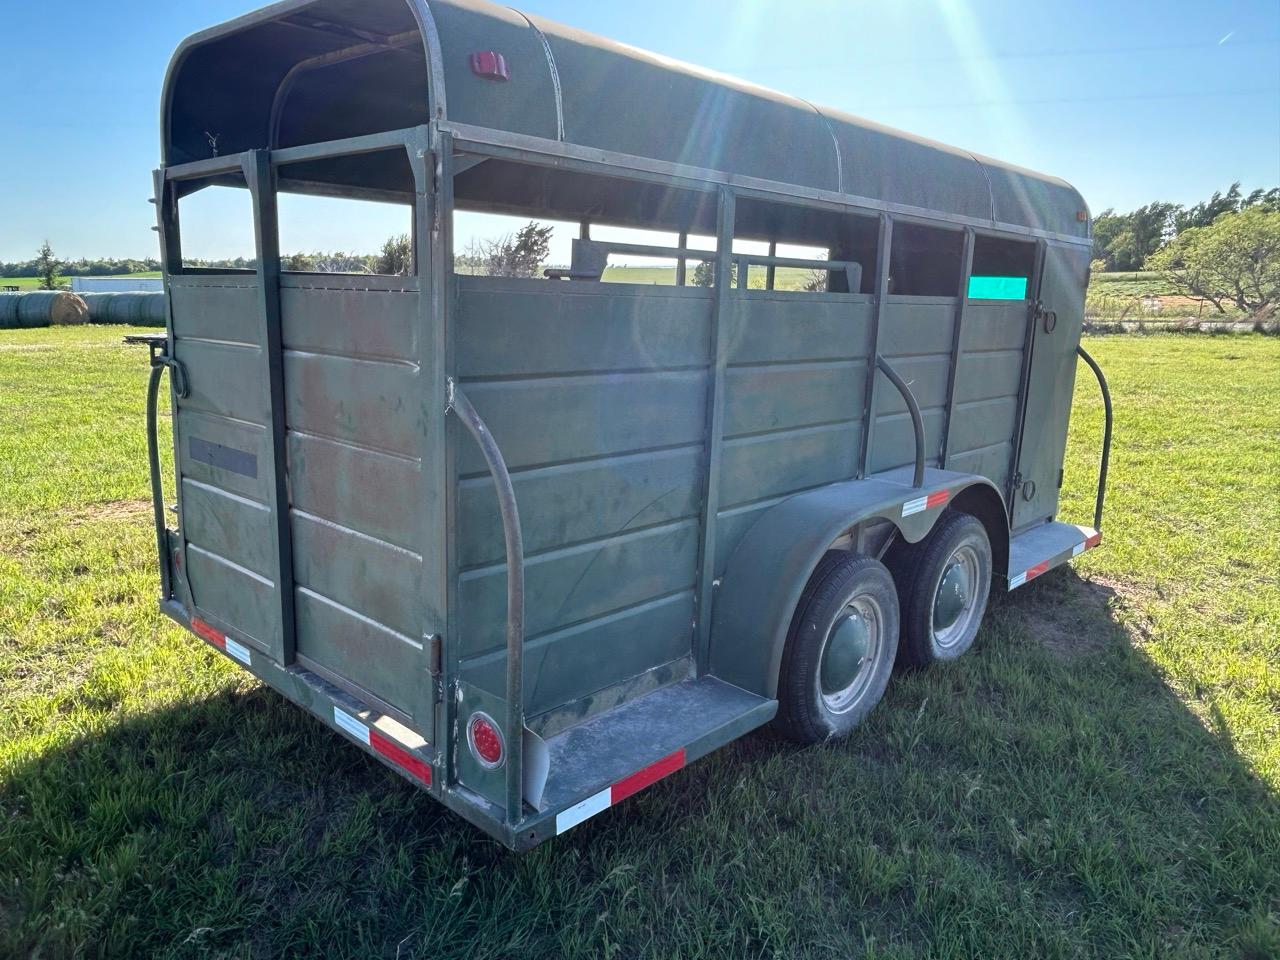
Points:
[(1048, 796)]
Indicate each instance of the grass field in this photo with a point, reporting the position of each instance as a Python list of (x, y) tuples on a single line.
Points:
[(1100, 778), (787, 278)]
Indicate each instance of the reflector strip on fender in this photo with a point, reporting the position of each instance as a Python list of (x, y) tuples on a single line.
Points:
[(378, 743), (220, 640), (619, 791), (921, 504)]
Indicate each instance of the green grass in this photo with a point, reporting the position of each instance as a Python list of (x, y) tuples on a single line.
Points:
[(1136, 284), (33, 283), (1097, 779), (788, 278)]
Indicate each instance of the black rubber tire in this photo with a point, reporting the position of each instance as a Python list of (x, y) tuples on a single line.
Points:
[(918, 567), (838, 578)]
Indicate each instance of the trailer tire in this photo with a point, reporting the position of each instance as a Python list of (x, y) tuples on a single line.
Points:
[(940, 620), (840, 650)]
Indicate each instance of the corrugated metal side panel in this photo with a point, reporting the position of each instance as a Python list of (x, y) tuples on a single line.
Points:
[(225, 465), (987, 378), (916, 337), (794, 401), (354, 418), (596, 394)]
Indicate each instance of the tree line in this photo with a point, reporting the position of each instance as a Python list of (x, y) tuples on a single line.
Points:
[(1125, 241)]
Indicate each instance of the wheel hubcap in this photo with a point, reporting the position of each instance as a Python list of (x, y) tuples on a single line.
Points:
[(849, 655), (955, 604), (953, 595), (846, 653)]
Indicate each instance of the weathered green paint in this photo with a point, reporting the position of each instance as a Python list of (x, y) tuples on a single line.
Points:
[(765, 574), (1051, 381)]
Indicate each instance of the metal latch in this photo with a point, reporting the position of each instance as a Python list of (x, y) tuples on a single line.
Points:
[(158, 343), (1048, 317)]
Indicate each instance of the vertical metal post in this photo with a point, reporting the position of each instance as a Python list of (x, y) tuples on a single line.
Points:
[(680, 264), (261, 180), (883, 245), (430, 706), (169, 227), (771, 272), (438, 340), (724, 302), (966, 268), (157, 491), (1024, 380)]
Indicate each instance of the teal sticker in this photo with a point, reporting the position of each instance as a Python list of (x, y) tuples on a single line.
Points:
[(997, 288)]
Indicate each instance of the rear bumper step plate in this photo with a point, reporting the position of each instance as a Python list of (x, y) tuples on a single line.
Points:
[(1042, 548), (611, 756)]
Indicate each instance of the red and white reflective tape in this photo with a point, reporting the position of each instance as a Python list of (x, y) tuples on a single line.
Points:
[(418, 768), (921, 504), (231, 648), (619, 791), (1089, 544), (1031, 573)]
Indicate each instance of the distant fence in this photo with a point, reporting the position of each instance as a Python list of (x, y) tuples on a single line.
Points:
[(115, 284)]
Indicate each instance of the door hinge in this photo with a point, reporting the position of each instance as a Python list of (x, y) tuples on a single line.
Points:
[(435, 654), (1015, 484)]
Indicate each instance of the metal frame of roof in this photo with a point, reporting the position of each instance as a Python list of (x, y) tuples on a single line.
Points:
[(490, 122)]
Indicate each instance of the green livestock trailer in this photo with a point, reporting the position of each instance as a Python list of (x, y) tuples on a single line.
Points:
[(537, 542)]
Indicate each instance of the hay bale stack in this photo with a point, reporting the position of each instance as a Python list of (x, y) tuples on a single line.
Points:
[(140, 308), (42, 308)]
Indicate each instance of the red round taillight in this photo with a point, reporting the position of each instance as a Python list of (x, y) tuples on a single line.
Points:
[(485, 740)]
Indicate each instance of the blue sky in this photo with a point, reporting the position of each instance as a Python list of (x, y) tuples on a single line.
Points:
[(1131, 102)]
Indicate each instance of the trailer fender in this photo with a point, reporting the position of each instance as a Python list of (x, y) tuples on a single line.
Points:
[(769, 567)]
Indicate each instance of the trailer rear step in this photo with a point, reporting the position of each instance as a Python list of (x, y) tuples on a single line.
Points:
[(1042, 548), (603, 760)]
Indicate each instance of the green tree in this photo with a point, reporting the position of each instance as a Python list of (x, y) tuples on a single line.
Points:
[(396, 257), (1233, 261), (515, 255), (704, 275), (47, 267), (1203, 214)]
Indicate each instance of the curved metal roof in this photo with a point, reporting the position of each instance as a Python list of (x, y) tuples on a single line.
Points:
[(255, 82)]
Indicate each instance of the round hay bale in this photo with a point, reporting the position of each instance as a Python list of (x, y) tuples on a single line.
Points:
[(41, 308), (142, 308), (9, 310)]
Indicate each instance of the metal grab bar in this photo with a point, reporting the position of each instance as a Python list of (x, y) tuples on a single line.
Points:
[(160, 360), (917, 423), (1106, 436), (852, 269), (514, 542), (157, 490)]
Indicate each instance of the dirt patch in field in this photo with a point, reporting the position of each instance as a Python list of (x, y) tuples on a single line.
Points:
[(1068, 615), (111, 510)]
